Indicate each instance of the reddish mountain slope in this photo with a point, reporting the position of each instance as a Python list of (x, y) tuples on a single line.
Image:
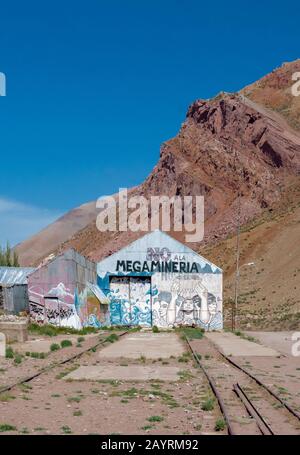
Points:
[(227, 145)]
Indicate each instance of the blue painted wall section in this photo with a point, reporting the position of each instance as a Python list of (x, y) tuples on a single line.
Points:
[(143, 291)]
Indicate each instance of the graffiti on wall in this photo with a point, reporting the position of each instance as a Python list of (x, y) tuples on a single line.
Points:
[(90, 310), (62, 306), (130, 301)]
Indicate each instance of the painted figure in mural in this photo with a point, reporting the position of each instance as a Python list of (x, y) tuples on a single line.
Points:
[(162, 316), (191, 301), (215, 316), (188, 303)]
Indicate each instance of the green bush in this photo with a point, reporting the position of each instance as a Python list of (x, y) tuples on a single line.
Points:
[(18, 359), (112, 338), (7, 427), (208, 405), (9, 353), (51, 330), (220, 425), (37, 355), (193, 333), (155, 329), (66, 343), (54, 347), (155, 419)]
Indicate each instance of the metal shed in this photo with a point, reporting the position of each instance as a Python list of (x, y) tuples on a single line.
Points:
[(13, 289)]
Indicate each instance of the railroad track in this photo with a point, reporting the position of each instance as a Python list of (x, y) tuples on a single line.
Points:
[(265, 425), (24, 380)]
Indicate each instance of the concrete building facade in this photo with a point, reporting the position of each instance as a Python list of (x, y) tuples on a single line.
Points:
[(158, 281)]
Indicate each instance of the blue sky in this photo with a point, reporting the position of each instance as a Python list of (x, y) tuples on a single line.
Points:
[(94, 88)]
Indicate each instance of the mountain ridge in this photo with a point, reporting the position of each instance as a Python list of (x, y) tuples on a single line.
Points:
[(230, 149)]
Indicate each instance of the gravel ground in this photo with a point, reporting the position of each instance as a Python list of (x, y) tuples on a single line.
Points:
[(51, 405)]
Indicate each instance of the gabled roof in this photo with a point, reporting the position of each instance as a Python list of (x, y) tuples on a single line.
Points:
[(158, 238), (9, 276)]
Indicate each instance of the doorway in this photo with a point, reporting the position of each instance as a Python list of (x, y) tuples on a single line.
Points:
[(131, 301)]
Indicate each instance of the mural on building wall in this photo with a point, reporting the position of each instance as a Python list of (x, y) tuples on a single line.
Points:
[(130, 301), (56, 297), (90, 310), (182, 287), (184, 300), (54, 306)]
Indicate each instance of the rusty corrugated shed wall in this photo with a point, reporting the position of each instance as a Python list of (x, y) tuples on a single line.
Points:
[(15, 299)]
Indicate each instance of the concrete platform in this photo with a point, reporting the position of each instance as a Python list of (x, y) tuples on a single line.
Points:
[(43, 344), (232, 345), (147, 344), (129, 373), (14, 330), (281, 341)]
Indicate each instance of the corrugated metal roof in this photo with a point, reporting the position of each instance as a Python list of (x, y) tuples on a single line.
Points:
[(14, 275)]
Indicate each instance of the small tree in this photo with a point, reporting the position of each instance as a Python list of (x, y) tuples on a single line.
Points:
[(2, 259), (16, 260), (8, 257)]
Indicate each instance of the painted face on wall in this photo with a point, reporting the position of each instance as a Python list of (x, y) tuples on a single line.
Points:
[(164, 298), (212, 304), (163, 309), (187, 305)]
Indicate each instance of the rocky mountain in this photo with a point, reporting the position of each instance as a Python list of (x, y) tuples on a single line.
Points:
[(238, 150)]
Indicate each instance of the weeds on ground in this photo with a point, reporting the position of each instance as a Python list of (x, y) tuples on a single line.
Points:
[(111, 338), (184, 375), (4, 397), (66, 430), (7, 427), (18, 359), (147, 427), (74, 399), (208, 404), (155, 419), (66, 343), (54, 347), (220, 425), (192, 333), (51, 330), (185, 357), (9, 354), (36, 355)]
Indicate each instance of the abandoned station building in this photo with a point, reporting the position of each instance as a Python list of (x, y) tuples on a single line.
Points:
[(158, 281), (63, 291), (154, 281)]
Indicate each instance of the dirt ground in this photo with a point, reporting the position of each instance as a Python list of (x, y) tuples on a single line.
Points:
[(11, 372), (51, 404), (269, 267)]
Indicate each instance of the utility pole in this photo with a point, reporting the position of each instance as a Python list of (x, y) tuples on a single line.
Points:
[(237, 273)]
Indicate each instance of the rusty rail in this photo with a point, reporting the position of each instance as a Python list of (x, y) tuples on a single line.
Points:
[(214, 389), (54, 365), (253, 411)]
